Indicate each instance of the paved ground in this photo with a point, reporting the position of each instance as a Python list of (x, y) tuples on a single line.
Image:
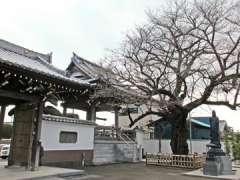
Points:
[(17, 173), (199, 173), (137, 172), (129, 172), (2, 161)]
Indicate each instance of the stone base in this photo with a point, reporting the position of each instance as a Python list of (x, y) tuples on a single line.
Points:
[(226, 165), (213, 152), (199, 173), (212, 168), (221, 165)]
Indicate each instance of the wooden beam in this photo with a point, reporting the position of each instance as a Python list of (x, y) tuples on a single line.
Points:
[(102, 119), (8, 101), (93, 113), (88, 114), (18, 96), (79, 107), (64, 110), (105, 107)]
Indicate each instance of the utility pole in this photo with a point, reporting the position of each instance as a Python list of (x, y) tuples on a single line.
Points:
[(190, 132)]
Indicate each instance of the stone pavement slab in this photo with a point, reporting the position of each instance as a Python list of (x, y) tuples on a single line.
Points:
[(199, 173), (236, 165), (81, 177), (19, 173)]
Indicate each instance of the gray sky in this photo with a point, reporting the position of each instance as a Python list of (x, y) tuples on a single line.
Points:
[(85, 27), (63, 26)]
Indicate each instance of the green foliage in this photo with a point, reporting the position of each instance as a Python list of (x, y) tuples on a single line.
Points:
[(227, 146), (232, 144), (7, 131)]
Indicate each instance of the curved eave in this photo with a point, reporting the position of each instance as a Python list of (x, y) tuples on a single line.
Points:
[(6, 65)]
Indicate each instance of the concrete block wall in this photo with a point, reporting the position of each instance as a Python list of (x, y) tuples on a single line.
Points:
[(106, 151)]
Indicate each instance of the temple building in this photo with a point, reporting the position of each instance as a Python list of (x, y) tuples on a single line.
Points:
[(29, 81)]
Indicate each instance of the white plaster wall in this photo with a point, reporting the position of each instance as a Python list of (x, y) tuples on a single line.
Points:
[(124, 120), (139, 137), (151, 146), (198, 146), (165, 146), (51, 131)]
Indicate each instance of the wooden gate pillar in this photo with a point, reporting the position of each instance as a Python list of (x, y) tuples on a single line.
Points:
[(22, 140), (2, 116), (91, 113), (37, 135)]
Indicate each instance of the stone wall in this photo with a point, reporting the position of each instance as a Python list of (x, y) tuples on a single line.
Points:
[(106, 151), (68, 158)]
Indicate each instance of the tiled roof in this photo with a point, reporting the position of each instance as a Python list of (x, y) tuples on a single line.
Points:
[(19, 57), (88, 69), (23, 51), (67, 120), (91, 71)]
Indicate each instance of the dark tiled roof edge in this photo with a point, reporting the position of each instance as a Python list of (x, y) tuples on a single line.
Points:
[(67, 120), (24, 51)]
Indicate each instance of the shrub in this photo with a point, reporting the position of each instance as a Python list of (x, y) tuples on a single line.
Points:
[(232, 144)]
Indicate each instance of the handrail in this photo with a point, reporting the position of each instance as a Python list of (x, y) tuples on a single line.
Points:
[(123, 139), (112, 133), (123, 136), (127, 137)]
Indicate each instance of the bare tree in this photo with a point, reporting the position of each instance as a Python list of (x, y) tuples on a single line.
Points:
[(186, 55)]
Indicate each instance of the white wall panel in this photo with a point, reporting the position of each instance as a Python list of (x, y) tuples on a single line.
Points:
[(51, 131)]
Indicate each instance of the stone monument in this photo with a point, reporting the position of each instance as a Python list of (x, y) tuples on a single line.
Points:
[(217, 163)]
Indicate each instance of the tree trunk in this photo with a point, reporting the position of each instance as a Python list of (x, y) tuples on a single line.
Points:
[(179, 133)]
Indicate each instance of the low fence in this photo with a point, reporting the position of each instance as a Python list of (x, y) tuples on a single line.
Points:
[(105, 133), (170, 160)]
